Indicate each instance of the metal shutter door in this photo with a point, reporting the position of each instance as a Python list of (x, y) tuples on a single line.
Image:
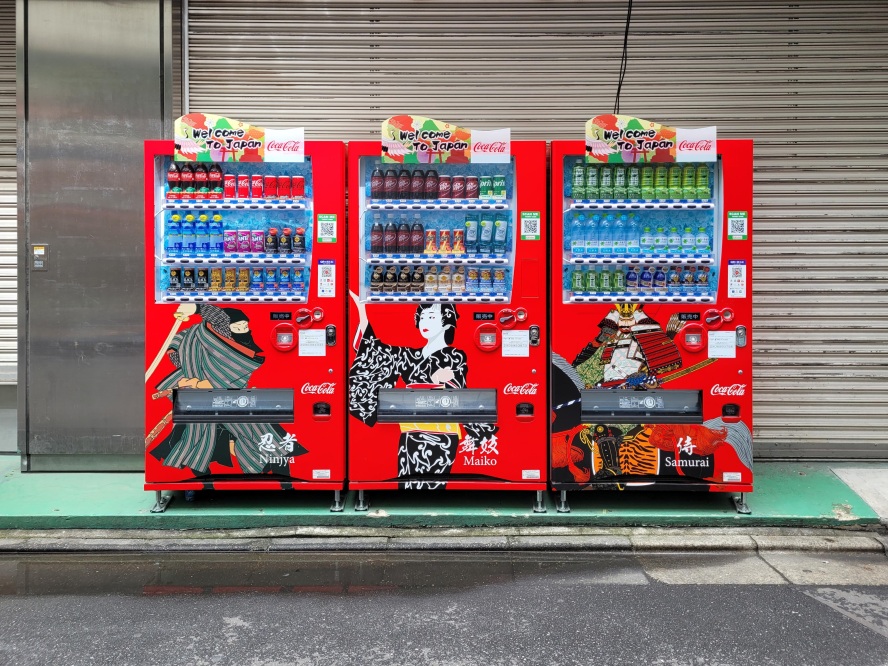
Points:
[(808, 81), (8, 202)]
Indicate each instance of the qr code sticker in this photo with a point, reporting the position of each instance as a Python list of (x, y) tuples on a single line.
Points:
[(326, 271), (531, 227), (327, 229), (737, 227)]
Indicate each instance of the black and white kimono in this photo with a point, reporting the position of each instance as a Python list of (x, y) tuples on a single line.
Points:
[(425, 449)]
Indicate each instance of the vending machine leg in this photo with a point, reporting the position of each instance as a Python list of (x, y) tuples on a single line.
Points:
[(160, 502), (539, 506), (361, 503), (741, 505), (563, 506), (338, 504)]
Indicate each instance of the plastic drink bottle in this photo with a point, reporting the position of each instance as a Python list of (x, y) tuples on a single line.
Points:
[(604, 280), (618, 279), (578, 181), (701, 242), (577, 235), (591, 235), (645, 280), (659, 280), (500, 233), (605, 236), (661, 182), (217, 240), (674, 181), (673, 240), (660, 240), (591, 182), (647, 240), (620, 228), (173, 237), (606, 182), (702, 182), (688, 241), (620, 182), (633, 182), (632, 279), (633, 235), (688, 184), (202, 233), (577, 280), (647, 182)]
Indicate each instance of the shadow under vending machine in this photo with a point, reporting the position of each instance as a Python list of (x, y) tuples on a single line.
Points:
[(447, 320), (651, 315), (244, 310)]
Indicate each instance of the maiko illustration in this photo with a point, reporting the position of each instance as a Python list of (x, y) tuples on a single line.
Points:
[(219, 353), (425, 449)]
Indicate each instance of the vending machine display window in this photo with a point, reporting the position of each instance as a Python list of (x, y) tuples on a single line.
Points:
[(239, 232), (433, 233), (640, 233)]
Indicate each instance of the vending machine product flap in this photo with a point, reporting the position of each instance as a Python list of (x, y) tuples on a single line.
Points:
[(437, 406), (651, 406), (233, 406)]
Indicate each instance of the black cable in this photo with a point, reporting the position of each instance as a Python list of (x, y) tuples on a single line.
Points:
[(624, 60)]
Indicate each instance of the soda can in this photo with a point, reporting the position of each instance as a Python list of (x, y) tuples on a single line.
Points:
[(701, 280), (444, 187), (229, 186), (431, 280), (417, 280), (284, 187), (257, 240), (271, 187), (376, 280), (175, 279), (485, 187), (499, 279), (230, 279), (229, 241), (499, 186), (285, 277), (298, 279), (271, 277), (256, 189), (472, 187), (459, 280), (431, 241), (445, 282), (244, 240), (473, 281), (257, 278), (187, 278), (243, 186), (297, 187), (486, 279), (444, 246), (243, 279), (215, 279), (202, 279), (458, 187), (405, 279), (459, 241)]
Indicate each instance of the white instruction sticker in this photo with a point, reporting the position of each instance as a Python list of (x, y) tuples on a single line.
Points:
[(530, 474), (320, 474), (516, 343), (312, 343), (728, 477), (722, 344), (326, 278), (736, 278)]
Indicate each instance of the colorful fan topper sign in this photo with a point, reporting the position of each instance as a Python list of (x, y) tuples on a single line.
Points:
[(203, 137), (626, 139), (408, 139)]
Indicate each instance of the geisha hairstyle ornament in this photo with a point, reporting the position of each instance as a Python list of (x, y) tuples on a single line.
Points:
[(448, 318)]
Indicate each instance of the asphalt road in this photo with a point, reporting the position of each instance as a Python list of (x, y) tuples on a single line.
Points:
[(445, 609)]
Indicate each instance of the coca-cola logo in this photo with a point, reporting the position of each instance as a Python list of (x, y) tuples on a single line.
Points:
[(694, 146), (523, 389), (733, 389), (492, 147), (284, 146), (325, 388)]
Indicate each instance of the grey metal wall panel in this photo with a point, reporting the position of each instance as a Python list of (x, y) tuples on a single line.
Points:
[(8, 206), (93, 77), (807, 80)]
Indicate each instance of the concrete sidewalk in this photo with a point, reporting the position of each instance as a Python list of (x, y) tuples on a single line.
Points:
[(787, 495)]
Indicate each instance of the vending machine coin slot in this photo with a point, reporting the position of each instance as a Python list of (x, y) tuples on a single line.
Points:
[(534, 336), (437, 406), (741, 336), (233, 406), (653, 406), (331, 336)]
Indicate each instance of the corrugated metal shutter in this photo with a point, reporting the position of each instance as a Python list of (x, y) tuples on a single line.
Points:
[(8, 205), (808, 81)]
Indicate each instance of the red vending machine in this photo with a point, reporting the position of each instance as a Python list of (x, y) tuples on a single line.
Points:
[(244, 310), (447, 320), (651, 365)]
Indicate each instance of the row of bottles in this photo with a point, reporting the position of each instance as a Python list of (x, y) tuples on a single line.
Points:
[(204, 236), (428, 280), (609, 234), (688, 279), (236, 280), (640, 182), (485, 233)]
